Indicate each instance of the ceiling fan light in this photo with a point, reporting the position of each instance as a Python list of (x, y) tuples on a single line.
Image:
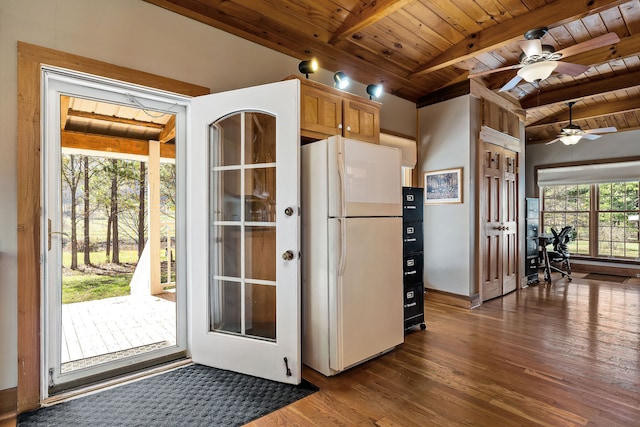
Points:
[(537, 71), (570, 139)]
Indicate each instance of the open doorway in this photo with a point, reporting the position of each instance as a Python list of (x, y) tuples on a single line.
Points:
[(111, 261), (110, 307)]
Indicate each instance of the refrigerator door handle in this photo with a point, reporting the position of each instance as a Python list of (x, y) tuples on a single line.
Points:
[(341, 179), (343, 246)]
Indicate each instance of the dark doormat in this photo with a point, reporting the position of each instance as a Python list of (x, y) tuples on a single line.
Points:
[(606, 278), (195, 395)]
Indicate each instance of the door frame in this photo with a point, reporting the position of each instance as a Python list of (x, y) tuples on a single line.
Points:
[(30, 60), (57, 81)]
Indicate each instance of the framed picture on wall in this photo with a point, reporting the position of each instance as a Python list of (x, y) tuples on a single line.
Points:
[(443, 186)]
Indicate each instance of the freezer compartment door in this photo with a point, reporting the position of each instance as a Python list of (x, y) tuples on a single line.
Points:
[(365, 289), (364, 179)]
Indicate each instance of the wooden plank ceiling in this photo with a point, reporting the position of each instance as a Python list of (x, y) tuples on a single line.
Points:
[(415, 47)]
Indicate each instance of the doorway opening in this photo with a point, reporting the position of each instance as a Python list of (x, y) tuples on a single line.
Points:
[(113, 278)]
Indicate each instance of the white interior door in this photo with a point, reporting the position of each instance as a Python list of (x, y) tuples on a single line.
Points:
[(243, 231)]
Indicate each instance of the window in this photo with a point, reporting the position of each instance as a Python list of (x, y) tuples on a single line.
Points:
[(604, 217), (568, 205)]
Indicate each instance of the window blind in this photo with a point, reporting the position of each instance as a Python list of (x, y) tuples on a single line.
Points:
[(590, 174)]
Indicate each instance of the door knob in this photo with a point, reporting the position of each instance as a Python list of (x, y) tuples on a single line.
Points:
[(288, 211), (287, 255)]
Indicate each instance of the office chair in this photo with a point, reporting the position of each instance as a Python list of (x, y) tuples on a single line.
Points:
[(559, 257)]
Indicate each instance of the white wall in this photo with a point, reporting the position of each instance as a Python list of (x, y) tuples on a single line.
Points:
[(446, 140), (609, 146), (133, 34)]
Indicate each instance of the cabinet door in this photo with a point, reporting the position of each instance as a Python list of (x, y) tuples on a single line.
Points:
[(361, 121), (321, 113)]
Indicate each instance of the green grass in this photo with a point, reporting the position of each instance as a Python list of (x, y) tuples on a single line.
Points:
[(89, 287), (98, 257)]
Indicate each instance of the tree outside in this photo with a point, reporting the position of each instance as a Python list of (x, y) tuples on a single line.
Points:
[(105, 216)]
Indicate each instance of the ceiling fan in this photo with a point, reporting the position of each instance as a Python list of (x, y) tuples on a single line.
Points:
[(572, 134), (538, 60)]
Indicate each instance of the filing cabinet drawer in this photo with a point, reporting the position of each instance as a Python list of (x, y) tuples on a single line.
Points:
[(412, 204), (412, 268), (532, 247), (412, 237), (532, 228), (531, 266), (413, 300)]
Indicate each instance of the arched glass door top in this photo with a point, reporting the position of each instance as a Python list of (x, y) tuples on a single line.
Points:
[(242, 231)]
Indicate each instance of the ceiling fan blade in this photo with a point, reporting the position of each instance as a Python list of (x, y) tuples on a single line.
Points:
[(591, 136), (531, 47), (511, 83), (602, 130), (570, 69), (600, 41), (552, 141), (484, 73)]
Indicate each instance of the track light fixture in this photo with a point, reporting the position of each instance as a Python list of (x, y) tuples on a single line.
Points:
[(374, 91), (307, 67), (341, 80)]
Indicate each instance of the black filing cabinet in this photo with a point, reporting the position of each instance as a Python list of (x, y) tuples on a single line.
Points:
[(532, 229), (413, 257)]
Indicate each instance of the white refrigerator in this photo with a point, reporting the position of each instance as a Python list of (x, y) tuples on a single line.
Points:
[(352, 302)]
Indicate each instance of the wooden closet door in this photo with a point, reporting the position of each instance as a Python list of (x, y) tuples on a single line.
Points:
[(498, 216)]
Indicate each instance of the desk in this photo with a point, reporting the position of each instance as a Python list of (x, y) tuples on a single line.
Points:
[(543, 241)]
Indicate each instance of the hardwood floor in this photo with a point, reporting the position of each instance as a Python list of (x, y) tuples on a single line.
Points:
[(566, 354)]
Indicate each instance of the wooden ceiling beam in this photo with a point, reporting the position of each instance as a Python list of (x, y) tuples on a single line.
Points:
[(581, 90), (111, 144), (281, 38), (590, 112), (369, 14), (169, 131), (551, 15), (114, 119)]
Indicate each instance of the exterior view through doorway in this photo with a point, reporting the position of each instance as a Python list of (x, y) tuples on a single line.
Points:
[(110, 192)]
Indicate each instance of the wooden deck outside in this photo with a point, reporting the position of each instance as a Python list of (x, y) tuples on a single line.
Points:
[(112, 328)]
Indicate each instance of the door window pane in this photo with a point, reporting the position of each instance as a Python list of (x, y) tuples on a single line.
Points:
[(260, 248), (226, 300), (260, 310), (260, 131), (243, 191)]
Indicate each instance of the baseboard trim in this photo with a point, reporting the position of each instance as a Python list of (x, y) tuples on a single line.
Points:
[(591, 267), (8, 404), (448, 298)]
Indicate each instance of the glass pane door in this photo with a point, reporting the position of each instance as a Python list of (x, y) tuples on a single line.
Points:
[(243, 260), (243, 229)]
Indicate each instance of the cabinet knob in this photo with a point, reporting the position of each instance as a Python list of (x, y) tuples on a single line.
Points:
[(349, 128), (287, 255), (340, 126)]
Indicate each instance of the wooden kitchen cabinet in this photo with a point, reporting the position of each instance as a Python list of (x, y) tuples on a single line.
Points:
[(326, 111)]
